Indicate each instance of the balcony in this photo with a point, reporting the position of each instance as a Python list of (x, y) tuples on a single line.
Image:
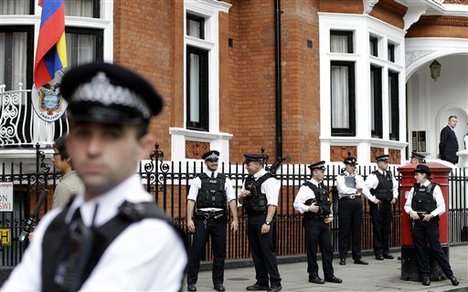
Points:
[(21, 127)]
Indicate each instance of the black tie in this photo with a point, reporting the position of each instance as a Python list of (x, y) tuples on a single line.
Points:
[(212, 174), (76, 251)]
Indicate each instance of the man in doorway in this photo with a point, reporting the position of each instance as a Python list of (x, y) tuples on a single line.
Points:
[(209, 196), (448, 146)]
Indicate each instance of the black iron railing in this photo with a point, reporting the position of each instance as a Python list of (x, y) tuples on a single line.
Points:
[(168, 182)]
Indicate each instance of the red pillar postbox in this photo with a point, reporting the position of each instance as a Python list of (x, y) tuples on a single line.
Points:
[(409, 265)]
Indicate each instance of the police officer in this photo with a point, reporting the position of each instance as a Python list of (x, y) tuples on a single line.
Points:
[(424, 205), (209, 194), (381, 188), (111, 236), (259, 196), (417, 158), (349, 185), (312, 201)]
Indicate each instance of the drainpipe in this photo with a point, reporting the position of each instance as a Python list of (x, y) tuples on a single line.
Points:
[(278, 78)]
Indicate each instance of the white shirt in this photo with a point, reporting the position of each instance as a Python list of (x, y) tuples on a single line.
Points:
[(372, 182), (303, 195), (270, 187), (147, 255), (437, 195), (344, 190), (195, 185)]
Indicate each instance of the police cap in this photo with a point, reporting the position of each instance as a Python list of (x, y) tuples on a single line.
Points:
[(422, 168), (384, 157), (211, 155), (254, 157), (417, 155), (110, 94), (317, 165), (350, 160)]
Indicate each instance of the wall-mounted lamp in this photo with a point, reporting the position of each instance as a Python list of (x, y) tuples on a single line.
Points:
[(435, 69)]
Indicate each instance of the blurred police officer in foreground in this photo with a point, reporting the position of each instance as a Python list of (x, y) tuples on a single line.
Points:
[(417, 158), (382, 191), (349, 185), (111, 237), (259, 196), (209, 194), (312, 201), (424, 205)]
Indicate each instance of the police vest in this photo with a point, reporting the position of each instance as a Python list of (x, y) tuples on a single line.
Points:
[(423, 199), (57, 233), (384, 190), (321, 200), (212, 193), (350, 182), (257, 203)]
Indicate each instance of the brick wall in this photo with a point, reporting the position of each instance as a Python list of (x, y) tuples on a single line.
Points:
[(145, 39)]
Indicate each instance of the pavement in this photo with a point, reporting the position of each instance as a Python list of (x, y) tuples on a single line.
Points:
[(377, 276)]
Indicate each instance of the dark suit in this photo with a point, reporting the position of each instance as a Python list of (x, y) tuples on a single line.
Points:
[(448, 145)]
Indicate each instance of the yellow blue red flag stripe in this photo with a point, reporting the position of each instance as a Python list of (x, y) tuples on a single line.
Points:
[(51, 54)]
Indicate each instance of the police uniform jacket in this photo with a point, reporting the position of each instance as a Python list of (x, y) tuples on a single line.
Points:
[(305, 193), (147, 255), (270, 187), (343, 189), (372, 182), (196, 183), (437, 195)]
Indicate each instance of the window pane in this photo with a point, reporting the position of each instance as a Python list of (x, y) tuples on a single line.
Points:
[(339, 43), (391, 53), (194, 88), (195, 26), (13, 59), (81, 48), (376, 101), (394, 112), (340, 96), (373, 46), (15, 7), (84, 8)]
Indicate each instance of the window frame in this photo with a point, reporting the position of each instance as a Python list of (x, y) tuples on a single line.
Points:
[(376, 100), (391, 52), (200, 20), (351, 131), (99, 33), (349, 36), (203, 124), (394, 100), (373, 46), (29, 30), (96, 10)]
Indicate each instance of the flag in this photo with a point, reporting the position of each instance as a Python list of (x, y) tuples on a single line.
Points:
[(51, 59), (51, 54)]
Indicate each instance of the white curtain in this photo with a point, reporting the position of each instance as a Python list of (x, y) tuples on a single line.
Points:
[(194, 88), (340, 97), (193, 28), (13, 59), (19, 60), (339, 43), (82, 8), (2, 58), (81, 48), (14, 7)]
